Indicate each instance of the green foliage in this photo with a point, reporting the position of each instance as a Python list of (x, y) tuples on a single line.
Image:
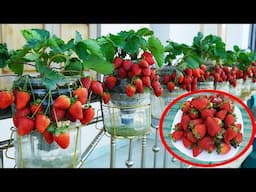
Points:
[(4, 55)]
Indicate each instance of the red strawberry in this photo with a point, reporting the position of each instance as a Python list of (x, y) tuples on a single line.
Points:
[(205, 142), (194, 122), (200, 103), (122, 73), (187, 143), (48, 137), (171, 86), (88, 115), (127, 64), (189, 72), (21, 99), (139, 85), (96, 87), (185, 119), (212, 127), (229, 120), (146, 81), (207, 75), (106, 97), (199, 131), (158, 91), (196, 72), (143, 63), (193, 113), (36, 107), (167, 78), (25, 125), (42, 122), (178, 127), (6, 99), (156, 84), (173, 76), (219, 121), (208, 113), (118, 62), (62, 139), (148, 57), (57, 114), (111, 82), (230, 134), (130, 74), (177, 135), (130, 90), (146, 71), (190, 136), (62, 102), (152, 74), (136, 69), (196, 150), (223, 148), (76, 110), (20, 113), (227, 106), (81, 94), (70, 117), (203, 67), (86, 81), (221, 114), (185, 106), (181, 78), (237, 140), (239, 126)]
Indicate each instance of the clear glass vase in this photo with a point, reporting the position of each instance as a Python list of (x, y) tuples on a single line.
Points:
[(205, 85), (127, 116), (32, 151), (222, 86), (236, 91)]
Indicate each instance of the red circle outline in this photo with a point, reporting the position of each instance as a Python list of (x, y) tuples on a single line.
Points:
[(166, 110)]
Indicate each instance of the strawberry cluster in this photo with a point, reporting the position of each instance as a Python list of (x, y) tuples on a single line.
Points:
[(208, 123), (139, 74), (186, 79), (6, 99), (33, 115)]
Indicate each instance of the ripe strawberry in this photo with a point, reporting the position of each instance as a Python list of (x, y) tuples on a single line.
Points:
[(185, 106), (96, 87), (136, 69), (189, 72), (166, 79), (196, 150), (190, 136), (171, 86), (127, 64), (227, 106), (219, 121), (177, 135), (178, 127), (146, 81), (193, 113), (106, 97), (229, 120), (130, 74), (6, 99), (152, 74), (155, 84), (21, 99), (199, 131), (200, 103), (25, 125), (237, 140), (139, 85), (41, 122), (226, 69), (239, 126), (205, 142), (57, 114), (20, 113), (62, 139), (143, 63), (62, 102), (111, 82), (203, 67), (208, 113), (181, 78), (148, 57), (212, 127), (195, 122), (88, 115), (146, 71), (86, 81), (36, 107), (122, 73), (130, 90), (76, 110), (207, 75), (187, 80), (48, 137), (196, 72), (70, 117), (158, 91), (221, 114), (81, 94), (173, 76), (185, 119), (188, 144), (223, 148), (118, 62)]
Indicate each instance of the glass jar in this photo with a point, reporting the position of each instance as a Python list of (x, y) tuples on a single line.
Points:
[(222, 86), (205, 85), (236, 91), (127, 116), (158, 104), (246, 86), (32, 151)]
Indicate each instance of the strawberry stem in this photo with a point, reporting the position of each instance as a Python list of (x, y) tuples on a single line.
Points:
[(38, 107), (49, 102), (25, 83), (31, 88)]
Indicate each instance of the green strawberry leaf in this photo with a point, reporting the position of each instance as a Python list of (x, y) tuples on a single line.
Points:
[(93, 47), (157, 49), (32, 56), (78, 37), (132, 44), (107, 48), (144, 32)]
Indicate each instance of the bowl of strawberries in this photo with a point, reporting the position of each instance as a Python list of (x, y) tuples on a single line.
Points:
[(207, 128)]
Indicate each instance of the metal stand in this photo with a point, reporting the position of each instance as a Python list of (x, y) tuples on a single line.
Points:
[(113, 153), (129, 163), (155, 148), (143, 151)]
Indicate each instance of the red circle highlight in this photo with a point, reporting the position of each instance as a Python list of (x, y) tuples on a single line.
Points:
[(166, 110)]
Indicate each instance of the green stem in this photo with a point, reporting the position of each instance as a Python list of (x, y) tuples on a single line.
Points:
[(57, 55), (49, 102)]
